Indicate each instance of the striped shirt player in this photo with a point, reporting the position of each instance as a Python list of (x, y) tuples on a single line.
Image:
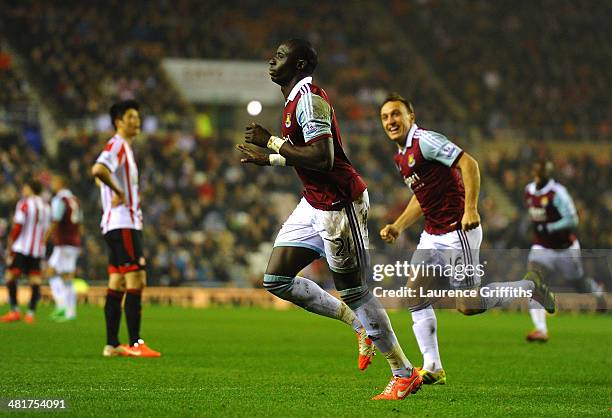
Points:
[(66, 214), (118, 157), (31, 220), (116, 173), (121, 224), (27, 248), (553, 215), (427, 164)]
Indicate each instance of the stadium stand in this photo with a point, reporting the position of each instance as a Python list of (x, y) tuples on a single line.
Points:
[(560, 88), (206, 221)]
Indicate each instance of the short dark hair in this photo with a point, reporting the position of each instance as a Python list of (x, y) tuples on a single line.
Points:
[(304, 51), (118, 109), (396, 97), (35, 185)]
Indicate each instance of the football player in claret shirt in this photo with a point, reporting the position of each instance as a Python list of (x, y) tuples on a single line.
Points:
[(26, 248), (121, 224), (445, 182), (555, 248), (65, 232), (331, 219)]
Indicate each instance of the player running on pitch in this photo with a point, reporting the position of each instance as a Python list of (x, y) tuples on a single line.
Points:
[(116, 171), (555, 248), (65, 231), (331, 218), (445, 181), (26, 248)]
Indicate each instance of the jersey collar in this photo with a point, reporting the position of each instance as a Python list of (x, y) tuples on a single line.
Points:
[(297, 87), (411, 132), (544, 190)]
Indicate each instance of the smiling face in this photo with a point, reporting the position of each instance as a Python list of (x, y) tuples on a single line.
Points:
[(396, 121), (283, 65)]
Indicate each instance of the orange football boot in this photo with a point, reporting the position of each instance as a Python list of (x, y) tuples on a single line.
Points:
[(400, 387), (11, 316), (29, 318), (537, 336), (140, 349)]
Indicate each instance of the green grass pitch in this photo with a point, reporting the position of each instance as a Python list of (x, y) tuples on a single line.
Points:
[(253, 362)]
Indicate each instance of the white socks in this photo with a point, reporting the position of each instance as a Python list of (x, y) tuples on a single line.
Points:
[(58, 290), (497, 291), (425, 327), (538, 316), (64, 296), (376, 322), (71, 300), (308, 295)]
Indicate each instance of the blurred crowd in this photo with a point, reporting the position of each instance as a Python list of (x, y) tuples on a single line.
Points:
[(538, 66), (541, 67), (87, 57), (13, 91)]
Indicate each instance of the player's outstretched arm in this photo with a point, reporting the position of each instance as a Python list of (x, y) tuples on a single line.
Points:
[(102, 173), (408, 217), (470, 173)]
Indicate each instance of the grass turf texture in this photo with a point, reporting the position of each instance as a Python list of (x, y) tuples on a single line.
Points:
[(252, 362)]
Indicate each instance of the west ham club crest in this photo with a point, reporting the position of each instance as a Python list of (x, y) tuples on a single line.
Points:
[(411, 160)]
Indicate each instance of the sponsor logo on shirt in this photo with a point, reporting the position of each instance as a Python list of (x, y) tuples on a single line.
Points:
[(310, 128), (537, 214), (411, 180), (448, 150)]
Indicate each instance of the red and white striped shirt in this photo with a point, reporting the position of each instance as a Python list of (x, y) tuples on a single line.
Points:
[(34, 216), (119, 159)]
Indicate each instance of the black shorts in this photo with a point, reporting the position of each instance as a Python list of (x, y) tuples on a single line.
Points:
[(24, 264), (124, 250)]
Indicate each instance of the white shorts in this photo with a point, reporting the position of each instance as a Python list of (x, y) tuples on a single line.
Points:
[(457, 254), (339, 236), (64, 258), (566, 262)]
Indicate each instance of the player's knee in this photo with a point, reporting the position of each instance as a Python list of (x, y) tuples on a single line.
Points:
[(277, 285), (356, 296), (471, 311)]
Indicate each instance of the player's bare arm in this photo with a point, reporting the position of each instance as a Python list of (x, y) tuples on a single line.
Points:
[(408, 217), (317, 156), (8, 253), (50, 231), (102, 173), (470, 174)]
